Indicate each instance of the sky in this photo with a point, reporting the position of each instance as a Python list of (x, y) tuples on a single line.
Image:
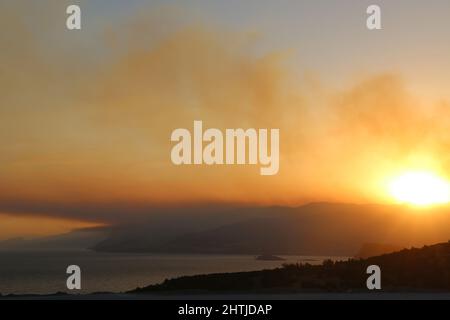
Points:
[(86, 116)]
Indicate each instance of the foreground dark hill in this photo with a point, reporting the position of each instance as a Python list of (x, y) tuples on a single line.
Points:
[(425, 269)]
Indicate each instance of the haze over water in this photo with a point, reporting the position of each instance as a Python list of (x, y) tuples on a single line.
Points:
[(43, 272)]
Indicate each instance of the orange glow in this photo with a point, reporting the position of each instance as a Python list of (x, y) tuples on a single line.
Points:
[(420, 189), (12, 226), (102, 135)]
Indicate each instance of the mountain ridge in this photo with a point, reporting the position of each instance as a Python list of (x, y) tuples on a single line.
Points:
[(321, 228)]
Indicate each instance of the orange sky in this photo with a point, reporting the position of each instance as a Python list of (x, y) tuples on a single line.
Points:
[(76, 128)]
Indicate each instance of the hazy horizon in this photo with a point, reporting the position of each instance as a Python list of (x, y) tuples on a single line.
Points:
[(86, 116)]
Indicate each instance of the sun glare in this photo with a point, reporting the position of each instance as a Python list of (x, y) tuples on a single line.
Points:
[(420, 189)]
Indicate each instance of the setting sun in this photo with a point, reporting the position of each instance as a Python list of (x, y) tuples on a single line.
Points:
[(420, 188)]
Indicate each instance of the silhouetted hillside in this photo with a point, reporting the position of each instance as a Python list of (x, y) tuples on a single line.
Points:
[(425, 269), (315, 229), (376, 249)]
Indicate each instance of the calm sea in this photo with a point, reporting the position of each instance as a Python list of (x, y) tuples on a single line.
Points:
[(40, 272)]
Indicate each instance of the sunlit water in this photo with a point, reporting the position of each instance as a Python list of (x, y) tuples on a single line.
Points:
[(45, 271)]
